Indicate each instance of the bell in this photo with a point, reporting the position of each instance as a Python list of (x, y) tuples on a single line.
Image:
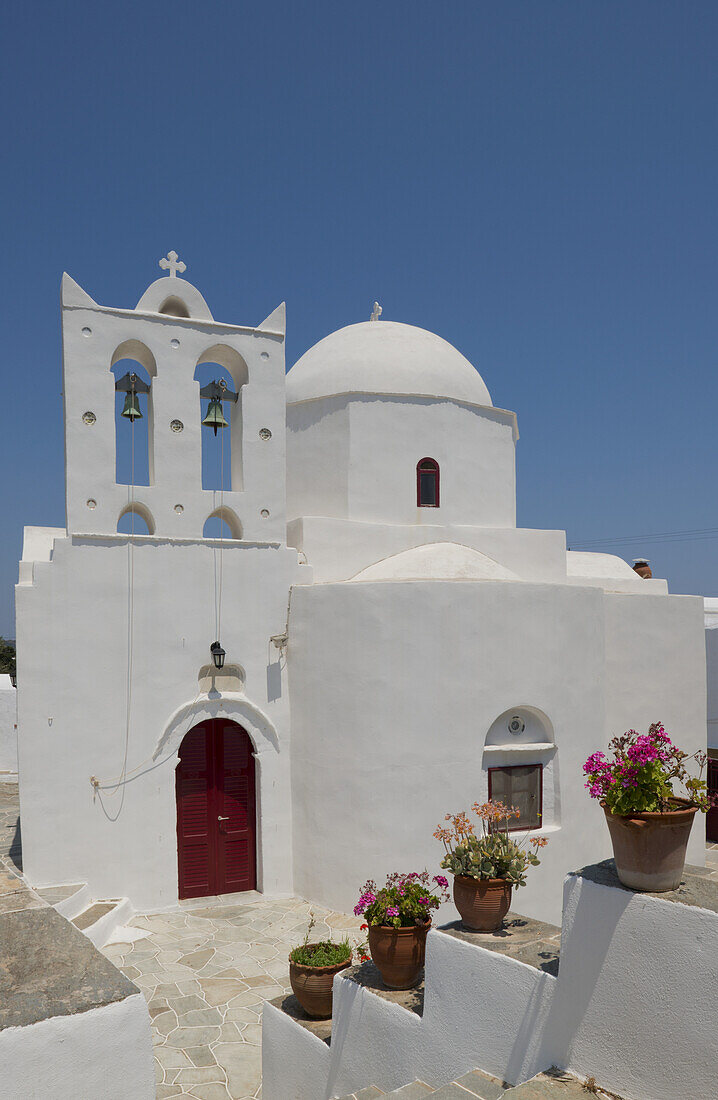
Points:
[(215, 417), (132, 409)]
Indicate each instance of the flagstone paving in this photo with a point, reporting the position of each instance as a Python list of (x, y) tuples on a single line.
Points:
[(206, 970)]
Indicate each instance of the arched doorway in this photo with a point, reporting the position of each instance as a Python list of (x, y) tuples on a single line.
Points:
[(216, 819)]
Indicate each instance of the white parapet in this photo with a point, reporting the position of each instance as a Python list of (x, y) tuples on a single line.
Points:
[(633, 1004)]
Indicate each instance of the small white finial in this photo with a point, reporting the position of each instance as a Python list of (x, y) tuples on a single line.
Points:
[(376, 312), (174, 264)]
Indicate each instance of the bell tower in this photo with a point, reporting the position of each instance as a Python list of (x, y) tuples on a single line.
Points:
[(157, 349)]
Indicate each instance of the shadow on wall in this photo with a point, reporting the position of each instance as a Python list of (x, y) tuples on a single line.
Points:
[(572, 993)]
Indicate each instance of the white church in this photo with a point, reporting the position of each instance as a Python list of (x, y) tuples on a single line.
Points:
[(283, 681)]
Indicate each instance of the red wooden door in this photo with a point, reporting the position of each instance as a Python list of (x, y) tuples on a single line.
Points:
[(215, 811)]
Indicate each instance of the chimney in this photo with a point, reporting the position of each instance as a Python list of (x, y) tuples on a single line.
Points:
[(642, 566)]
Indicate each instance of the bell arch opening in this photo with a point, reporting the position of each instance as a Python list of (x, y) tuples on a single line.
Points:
[(133, 367), (135, 519), (222, 523), (222, 445)]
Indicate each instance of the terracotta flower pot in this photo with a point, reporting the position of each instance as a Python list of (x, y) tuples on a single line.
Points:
[(398, 953), (312, 986), (650, 848), (482, 903)]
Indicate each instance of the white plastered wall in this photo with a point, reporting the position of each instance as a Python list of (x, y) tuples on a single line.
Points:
[(711, 625), (104, 1052), (395, 686), (355, 457), (8, 725), (72, 656)]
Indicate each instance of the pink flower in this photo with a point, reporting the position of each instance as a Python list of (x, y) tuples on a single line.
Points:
[(441, 881), (392, 911), (424, 901)]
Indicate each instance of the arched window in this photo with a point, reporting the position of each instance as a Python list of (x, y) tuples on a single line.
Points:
[(427, 483)]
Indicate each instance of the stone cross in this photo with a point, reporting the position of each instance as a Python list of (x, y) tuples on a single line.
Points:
[(376, 312), (174, 264)]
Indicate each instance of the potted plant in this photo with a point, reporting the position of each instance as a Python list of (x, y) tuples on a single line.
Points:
[(398, 918), (312, 967), (488, 866), (649, 824)]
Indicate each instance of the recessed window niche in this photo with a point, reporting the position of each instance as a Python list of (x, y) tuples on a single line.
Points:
[(520, 766)]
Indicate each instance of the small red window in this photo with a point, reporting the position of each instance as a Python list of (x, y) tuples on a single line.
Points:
[(427, 483)]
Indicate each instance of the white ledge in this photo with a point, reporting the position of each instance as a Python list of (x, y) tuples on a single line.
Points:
[(533, 747)]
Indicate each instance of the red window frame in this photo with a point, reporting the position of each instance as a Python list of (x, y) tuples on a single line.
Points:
[(510, 767), (427, 466)]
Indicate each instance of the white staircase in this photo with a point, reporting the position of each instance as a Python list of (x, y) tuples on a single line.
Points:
[(96, 919)]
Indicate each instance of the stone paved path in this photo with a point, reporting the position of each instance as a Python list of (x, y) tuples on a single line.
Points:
[(206, 969)]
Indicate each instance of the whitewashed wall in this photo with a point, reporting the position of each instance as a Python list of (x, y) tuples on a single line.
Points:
[(354, 456), (105, 1052), (72, 659), (395, 686), (711, 624), (8, 725)]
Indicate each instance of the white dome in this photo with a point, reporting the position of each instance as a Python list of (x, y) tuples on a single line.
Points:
[(385, 357), (437, 561)]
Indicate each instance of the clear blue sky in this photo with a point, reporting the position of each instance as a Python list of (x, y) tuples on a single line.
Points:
[(536, 182)]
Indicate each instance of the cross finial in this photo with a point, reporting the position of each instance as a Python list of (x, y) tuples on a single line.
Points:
[(174, 264), (376, 312)]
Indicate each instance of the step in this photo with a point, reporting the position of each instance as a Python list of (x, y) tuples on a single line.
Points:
[(99, 920), (476, 1084), (551, 1085), (69, 898)]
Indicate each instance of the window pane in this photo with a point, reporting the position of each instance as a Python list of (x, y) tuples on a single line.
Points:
[(520, 788), (427, 488)]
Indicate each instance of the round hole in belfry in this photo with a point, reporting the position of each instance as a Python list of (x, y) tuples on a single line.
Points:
[(176, 425), (265, 355), (264, 513), (264, 433), (179, 509), (91, 503), (174, 343), (87, 331), (88, 417)]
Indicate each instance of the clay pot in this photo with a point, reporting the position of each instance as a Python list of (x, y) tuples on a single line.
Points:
[(312, 986), (650, 848), (398, 953), (482, 903)]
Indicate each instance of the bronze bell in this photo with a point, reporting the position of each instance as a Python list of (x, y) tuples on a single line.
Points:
[(132, 409), (215, 417)]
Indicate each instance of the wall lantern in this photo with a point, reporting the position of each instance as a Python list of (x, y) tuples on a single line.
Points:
[(218, 655)]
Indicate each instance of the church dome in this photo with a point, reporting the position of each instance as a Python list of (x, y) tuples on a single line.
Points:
[(385, 357)]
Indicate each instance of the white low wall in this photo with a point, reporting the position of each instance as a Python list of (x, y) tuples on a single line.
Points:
[(634, 1005), (106, 1052), (8, 725)]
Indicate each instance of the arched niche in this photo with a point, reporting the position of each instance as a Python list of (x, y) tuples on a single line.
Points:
[(222, 523), (173, 306), (222, 454), (135, 515), (134, 440), (521, 726)]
